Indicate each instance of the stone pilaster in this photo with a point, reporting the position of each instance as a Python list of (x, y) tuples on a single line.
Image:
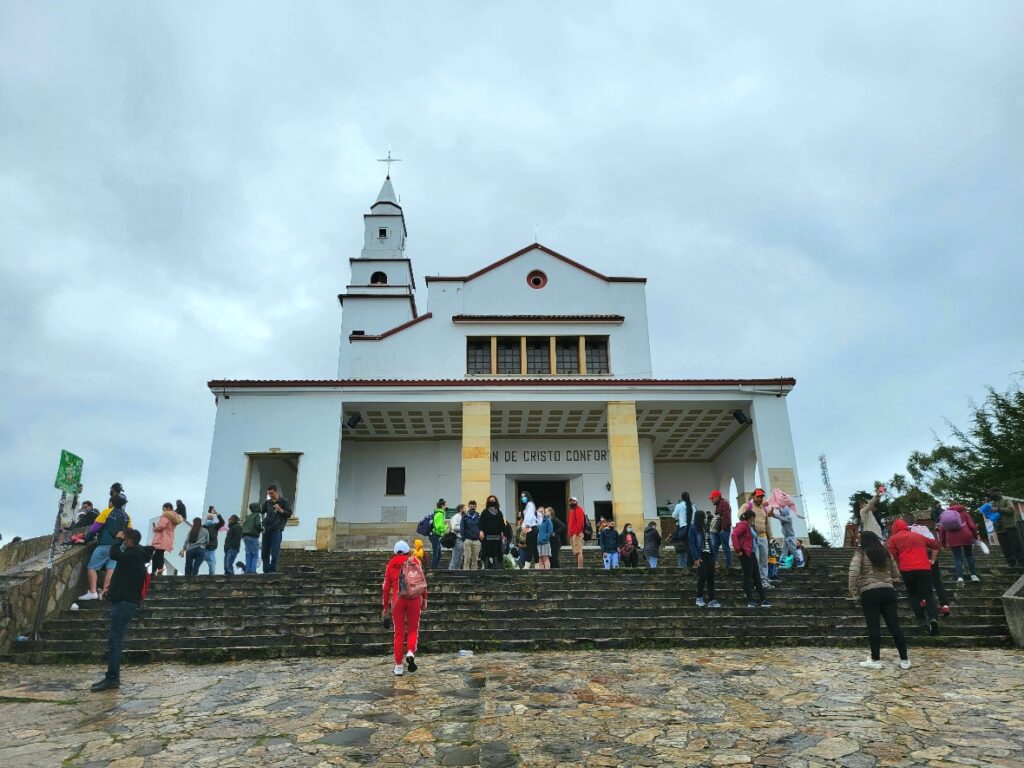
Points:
[(624, 465), (476, 452)]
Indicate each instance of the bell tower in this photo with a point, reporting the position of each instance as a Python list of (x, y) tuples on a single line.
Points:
[(381, 291)]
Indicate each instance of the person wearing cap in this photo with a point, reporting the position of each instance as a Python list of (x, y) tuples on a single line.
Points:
[(404, 611), (576, 526), (720, 539), (758, 506)]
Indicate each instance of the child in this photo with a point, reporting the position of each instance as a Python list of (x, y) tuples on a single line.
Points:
[(773, 559), (417, 549), (608, 538)]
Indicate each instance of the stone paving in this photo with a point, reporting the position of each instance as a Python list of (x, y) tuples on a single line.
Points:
[(792, 708)]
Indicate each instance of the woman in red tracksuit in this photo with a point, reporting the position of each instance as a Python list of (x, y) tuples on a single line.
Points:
[(404, 611), (910, 551)]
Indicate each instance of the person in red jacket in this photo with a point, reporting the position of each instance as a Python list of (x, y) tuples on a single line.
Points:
[(576, 516), (960, 540), (404, 611), (743, 544), (910, 550), (720, 539)]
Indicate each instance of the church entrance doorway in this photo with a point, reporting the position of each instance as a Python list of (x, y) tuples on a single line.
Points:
[(546, 493)]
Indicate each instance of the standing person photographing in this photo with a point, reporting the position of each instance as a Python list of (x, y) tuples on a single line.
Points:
[(276, 511)]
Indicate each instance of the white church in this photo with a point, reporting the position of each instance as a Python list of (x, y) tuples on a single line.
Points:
[(532, 373)]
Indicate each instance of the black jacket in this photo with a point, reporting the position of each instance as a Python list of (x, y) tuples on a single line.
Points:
[(492, 524), (126, 583), (211, 529), (558, 538), (233, 538), (274, 520)]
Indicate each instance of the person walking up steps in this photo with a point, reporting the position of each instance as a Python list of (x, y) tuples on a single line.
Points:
[(743, 544), (958, 532), (1005, 520), (699, 540), (404, 595), (459, 547), (472, 537), (920, 527), (608, 540), (652, 544), (910, 550), (872, 575)]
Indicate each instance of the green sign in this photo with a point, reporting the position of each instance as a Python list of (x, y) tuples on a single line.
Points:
[(69, 475)]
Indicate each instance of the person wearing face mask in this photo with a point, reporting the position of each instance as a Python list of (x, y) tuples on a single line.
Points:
[(471, 536), (213, 522), (531, 522), (576, 525), (492, 526), (629, 547)]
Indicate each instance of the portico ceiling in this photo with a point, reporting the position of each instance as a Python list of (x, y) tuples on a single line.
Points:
[(680, 431)]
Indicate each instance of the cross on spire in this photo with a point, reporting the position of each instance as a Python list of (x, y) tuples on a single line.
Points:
[(389, 160)]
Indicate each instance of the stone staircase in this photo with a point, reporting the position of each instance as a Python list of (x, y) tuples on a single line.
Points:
[(328, 604)]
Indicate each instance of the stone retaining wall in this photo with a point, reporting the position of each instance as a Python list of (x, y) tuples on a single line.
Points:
[(19, 551), (19, 595), (1013, 605)]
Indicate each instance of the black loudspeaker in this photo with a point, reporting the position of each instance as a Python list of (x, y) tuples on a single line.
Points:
[(354, 421), (741, 417)]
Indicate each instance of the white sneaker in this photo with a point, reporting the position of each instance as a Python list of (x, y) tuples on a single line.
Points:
[(90, 596), (960, 582), (871, 664), (904, 663), (974, 578), (399, 670)]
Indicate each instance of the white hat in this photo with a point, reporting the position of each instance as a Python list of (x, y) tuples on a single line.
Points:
[(401, 547)]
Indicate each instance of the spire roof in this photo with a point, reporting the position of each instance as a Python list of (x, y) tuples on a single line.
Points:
[(387, 193)]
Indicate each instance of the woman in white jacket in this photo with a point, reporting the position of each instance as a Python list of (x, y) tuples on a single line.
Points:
[(531, 522)]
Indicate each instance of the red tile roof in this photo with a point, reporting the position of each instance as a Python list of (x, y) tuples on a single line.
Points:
[(512, 381), (527, 249), (402, 327), (538, 319)]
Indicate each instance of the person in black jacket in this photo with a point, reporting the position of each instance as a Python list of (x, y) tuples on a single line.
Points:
[(558, 538), (276, 511), (232, 544), (212, 523), (492, 526), (124, 594)]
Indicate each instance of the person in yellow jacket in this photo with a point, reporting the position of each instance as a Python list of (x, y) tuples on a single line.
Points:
[(417, 549)]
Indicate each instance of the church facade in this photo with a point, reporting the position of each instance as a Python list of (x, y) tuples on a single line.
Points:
[(532, 373)]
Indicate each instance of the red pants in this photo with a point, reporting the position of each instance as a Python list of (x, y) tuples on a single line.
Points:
[(406, 614)]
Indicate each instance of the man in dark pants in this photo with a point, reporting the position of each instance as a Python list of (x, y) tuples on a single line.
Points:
[(276, 511), (124, 594), (1007, 527)]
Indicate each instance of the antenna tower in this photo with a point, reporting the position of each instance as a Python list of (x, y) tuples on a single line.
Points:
[(830, 502)]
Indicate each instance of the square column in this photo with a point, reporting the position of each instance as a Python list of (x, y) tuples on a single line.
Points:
[(776, 458), (476, 452), (624, 465)]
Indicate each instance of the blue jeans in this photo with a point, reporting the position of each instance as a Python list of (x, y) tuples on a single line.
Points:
[(652, 561), (682, 560), (611, 560), (229, 561), (435, 550), (252, 552), (121, 613), (959, 553), (271, 550), (211, 561), (720, 540), (192, 560)]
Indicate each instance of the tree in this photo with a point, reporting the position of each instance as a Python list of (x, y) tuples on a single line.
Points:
[(989, 452), (814, 536)]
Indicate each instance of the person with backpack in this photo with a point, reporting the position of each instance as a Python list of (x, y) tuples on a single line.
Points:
[(920, 526), (699, 541), (458, 546), (109, 523), (252, 527), (743, 545), (958, 532), (629, 548), (872, 575), (194, 550), (492, 528), (652, 544), (232, 544), (163, 536), (1005, 519), (472, 536), (438, 528), (608, 540), (405, 597), (545, 530), (276, 512), (910, 551), (722, 538), (124, 595), (577, 525), (213, 523)]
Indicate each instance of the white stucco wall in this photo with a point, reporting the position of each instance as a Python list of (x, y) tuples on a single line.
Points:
[(294, 422), (672, 478)]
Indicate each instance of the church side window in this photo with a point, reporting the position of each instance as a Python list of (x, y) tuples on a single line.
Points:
[(509, 356), (538, 355), (567, 354), (395, 483), (478, 356), (597, 354)]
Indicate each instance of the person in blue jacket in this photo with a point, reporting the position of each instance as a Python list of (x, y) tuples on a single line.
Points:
[(545, 531), (704, 558)]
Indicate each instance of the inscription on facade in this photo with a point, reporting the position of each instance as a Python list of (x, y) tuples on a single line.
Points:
[(578, 455)]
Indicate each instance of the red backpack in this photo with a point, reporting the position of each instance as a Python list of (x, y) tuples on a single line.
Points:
[(411, 581)]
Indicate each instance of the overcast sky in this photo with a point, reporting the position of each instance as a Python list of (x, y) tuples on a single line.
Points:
[(835, 190)]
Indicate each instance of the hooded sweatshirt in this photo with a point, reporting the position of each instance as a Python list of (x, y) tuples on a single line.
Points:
[(909, 549), (965, 536)]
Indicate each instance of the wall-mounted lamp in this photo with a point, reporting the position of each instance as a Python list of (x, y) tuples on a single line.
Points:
[(741, 417), (607, 486), (354, 421)]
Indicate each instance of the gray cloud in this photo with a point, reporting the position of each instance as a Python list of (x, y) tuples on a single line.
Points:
[(834, 190)]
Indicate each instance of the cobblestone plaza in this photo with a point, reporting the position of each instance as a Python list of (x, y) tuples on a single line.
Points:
[(787, 707)]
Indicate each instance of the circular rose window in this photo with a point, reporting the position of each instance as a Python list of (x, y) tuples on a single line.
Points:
[(536, 279)]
